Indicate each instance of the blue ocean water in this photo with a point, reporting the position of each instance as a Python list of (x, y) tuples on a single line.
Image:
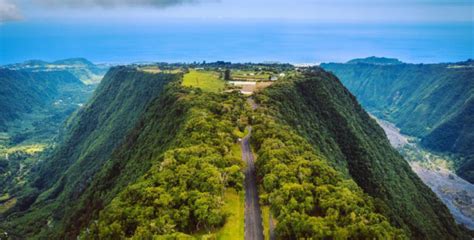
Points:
[(188, 41)]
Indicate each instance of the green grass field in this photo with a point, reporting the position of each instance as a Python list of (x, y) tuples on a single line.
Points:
[(233, 229), (7, 205), (250, 75), (206, 80), (234, 205), (266, 221)]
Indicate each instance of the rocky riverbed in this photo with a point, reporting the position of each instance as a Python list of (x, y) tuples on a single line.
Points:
[(456, 193)]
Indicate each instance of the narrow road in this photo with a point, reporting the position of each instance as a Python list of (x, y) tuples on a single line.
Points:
[(253, 216)]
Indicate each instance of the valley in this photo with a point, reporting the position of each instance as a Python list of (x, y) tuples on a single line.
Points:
[(433, 102), (236, 120), (36, 100), (436, 172), (181, 151)]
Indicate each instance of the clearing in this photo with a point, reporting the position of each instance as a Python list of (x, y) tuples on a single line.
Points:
[(208, 81)]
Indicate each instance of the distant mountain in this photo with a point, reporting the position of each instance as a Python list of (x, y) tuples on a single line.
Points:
[(375, 61), (81, 68), (430, 101)]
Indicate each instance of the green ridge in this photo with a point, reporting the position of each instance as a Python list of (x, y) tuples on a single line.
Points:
[(429, 101), (326, 115)]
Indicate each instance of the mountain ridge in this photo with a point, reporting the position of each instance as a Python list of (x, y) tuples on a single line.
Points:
[(88, 72), (419, 99), (149, 156)]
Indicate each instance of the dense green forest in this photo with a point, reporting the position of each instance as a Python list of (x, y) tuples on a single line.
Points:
[(329, 118), (34, 106), (431, 101), (31, 92), (308, 197), (90, 137), (149, 156), (36, 97)]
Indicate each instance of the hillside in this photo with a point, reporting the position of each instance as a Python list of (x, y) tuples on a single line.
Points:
[(323, 112), (27, 92), (423, 100), (153, 156), (90, 137), (34, 107), (456, 135), (81, 68)]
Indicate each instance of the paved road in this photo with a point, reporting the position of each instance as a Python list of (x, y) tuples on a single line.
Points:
[(253, 216)]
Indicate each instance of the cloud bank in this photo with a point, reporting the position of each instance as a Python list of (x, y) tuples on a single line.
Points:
[(9, 11), (347, 11), (113, 3)]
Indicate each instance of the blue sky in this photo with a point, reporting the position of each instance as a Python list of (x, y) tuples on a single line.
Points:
[(296, 31), (385, 11)]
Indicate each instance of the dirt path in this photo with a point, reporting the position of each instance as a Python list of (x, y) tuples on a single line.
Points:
[(253, 216)]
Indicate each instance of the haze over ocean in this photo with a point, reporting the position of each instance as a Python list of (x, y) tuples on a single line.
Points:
[(236, 41)]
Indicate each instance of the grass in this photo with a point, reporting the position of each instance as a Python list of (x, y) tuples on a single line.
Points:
[(247, 75), (234, 227), (206, 80), (240, 134), (29, 149), (7, 205), (266, 221), (236, 150), (156, 69), (234, 205), (150, 69), (4, 197)]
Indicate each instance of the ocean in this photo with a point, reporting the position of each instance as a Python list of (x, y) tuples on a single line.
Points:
[(247, 41)]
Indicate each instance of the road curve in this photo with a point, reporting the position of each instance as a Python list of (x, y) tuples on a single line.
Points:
[(253, 216)]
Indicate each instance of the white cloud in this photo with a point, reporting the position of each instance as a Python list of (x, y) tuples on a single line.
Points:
[(112, 3), (9, 11)]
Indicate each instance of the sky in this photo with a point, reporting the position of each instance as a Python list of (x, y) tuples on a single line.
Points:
[(296, 31), (354, 11)]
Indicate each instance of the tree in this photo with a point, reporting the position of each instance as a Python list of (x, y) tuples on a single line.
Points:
[(227, 75)]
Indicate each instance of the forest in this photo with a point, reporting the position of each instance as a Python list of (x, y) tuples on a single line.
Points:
[(155, 153)]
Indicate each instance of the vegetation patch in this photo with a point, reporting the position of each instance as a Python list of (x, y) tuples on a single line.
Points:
[(235, 208), (319, 109), (208, 81), (309, 198), (185, 190)]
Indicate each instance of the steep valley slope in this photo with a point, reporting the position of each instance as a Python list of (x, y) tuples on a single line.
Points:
[(434, 102), (148, 157), (322, 111), (33, 106)]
